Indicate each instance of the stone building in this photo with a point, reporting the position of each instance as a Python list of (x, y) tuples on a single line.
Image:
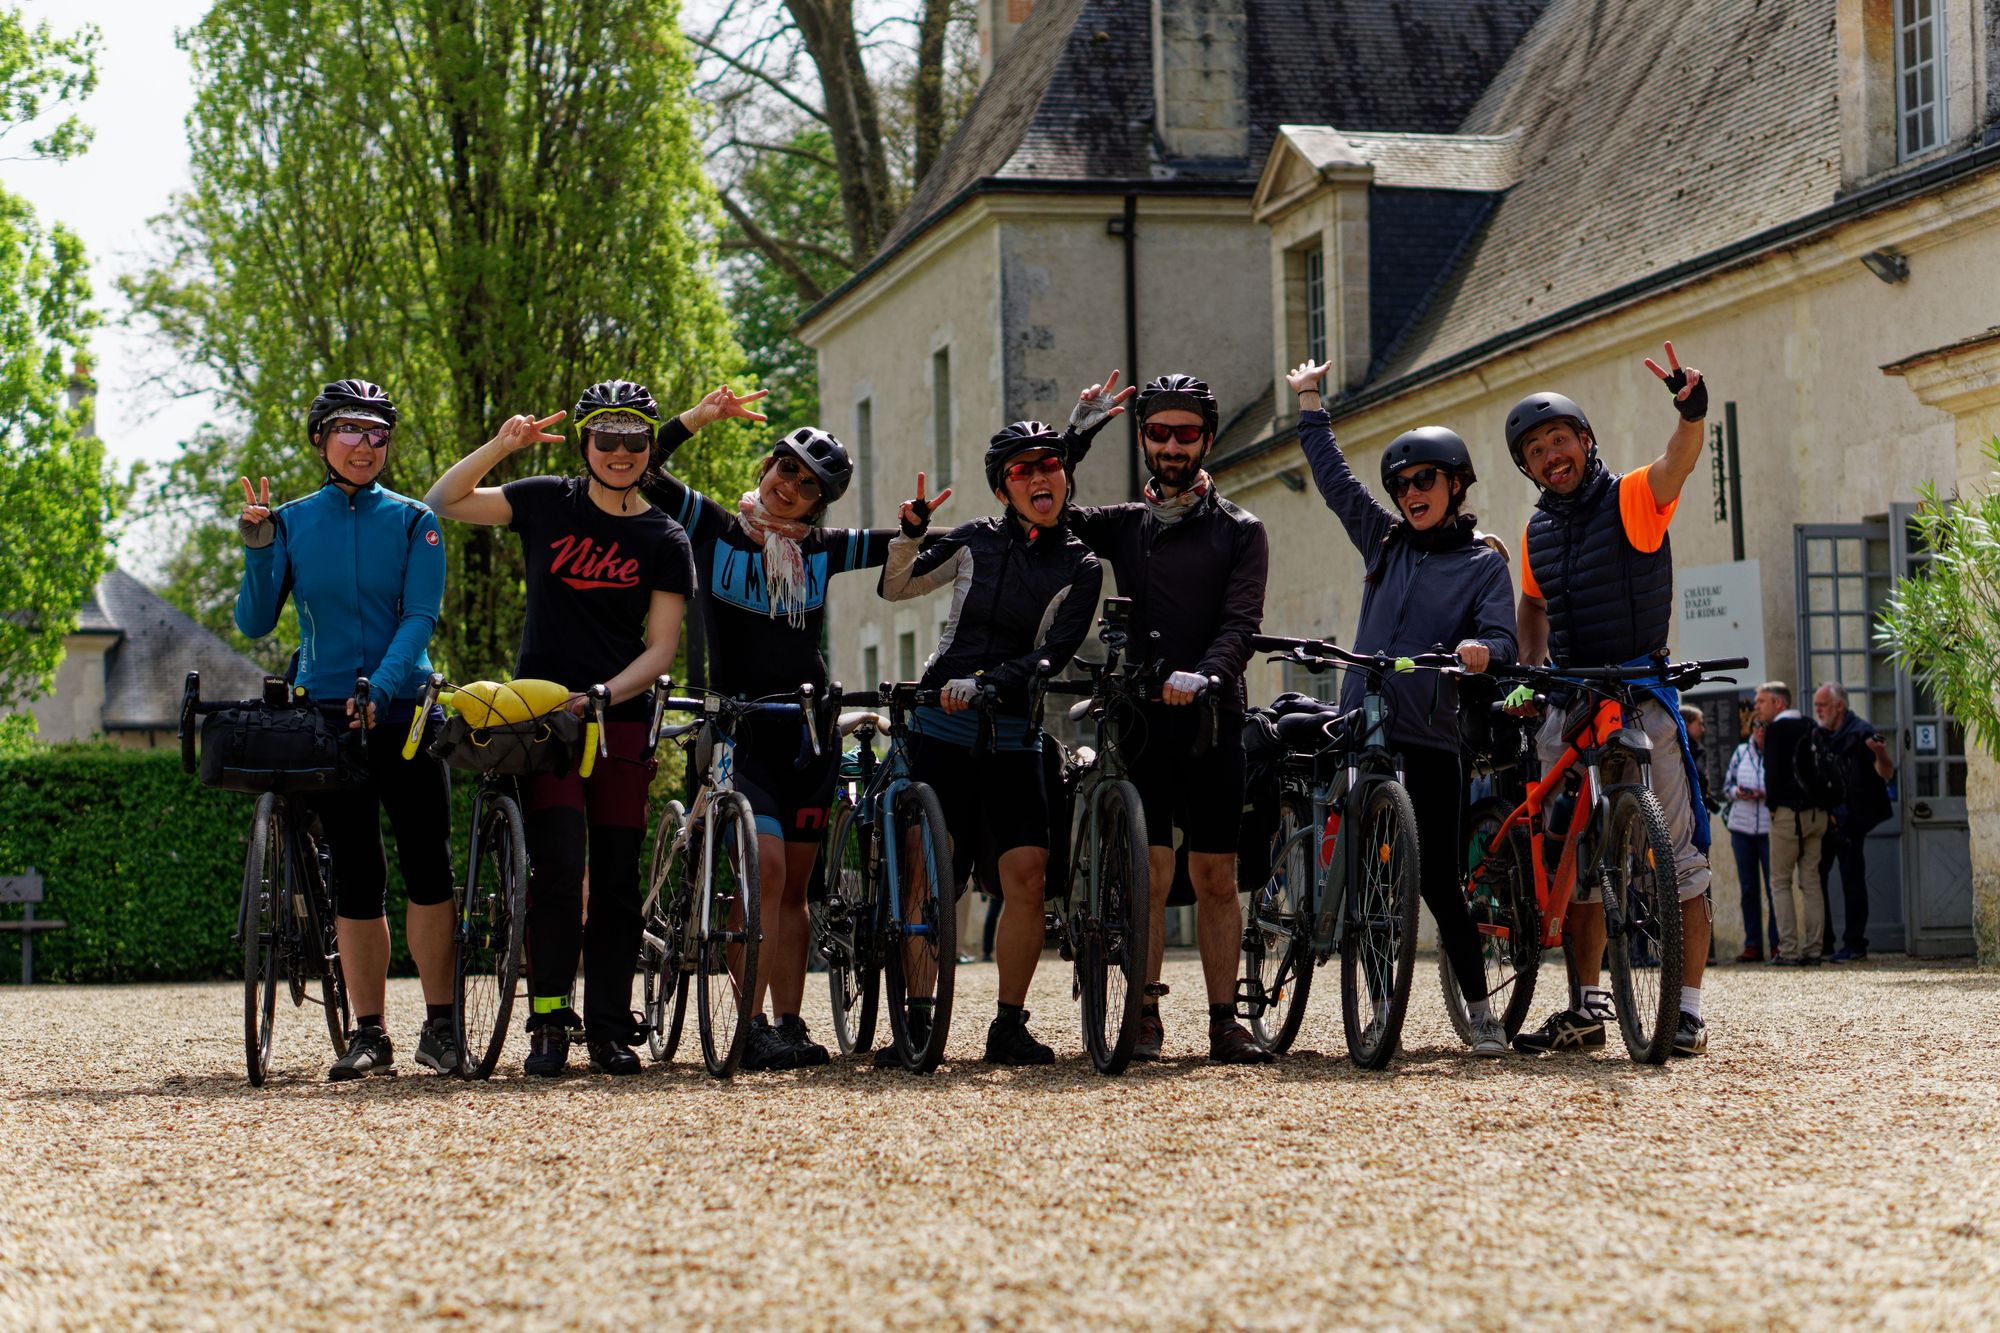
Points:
[(1460, 203)]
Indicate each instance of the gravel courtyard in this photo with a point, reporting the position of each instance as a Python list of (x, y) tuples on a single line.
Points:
[(1835, 1161)]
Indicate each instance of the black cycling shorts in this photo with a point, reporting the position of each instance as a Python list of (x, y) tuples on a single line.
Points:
[(1201, 794), (789, 788), (992, 803)]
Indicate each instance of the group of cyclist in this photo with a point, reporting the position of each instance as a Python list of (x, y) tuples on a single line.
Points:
[(613, 553)]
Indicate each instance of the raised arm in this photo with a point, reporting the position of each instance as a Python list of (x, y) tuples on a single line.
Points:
[(1670, 471), (1366, 519), (267, 563), (1094, 409), (458, 494), (915, 564)]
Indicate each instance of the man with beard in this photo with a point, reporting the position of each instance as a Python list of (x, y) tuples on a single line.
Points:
[(1597, 589), (1194, 566)]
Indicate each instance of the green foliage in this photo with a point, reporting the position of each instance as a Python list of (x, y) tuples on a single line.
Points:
[(39, 72), (17, 735), (1943, 623), (483, 208)]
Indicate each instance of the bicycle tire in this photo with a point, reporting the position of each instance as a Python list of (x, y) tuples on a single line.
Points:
[(663, 937), (490, 938), (321, 932), (1509, 922), (728, 937), (1638, 917), (916, 811), (1277, 931), (1378, 947), (853, 970), (257, 920), (1111, 952)]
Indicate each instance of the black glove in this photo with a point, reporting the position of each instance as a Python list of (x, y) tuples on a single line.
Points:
[(1693, 407), (922, 509)]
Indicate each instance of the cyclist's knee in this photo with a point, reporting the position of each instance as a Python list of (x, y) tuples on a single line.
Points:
[(360, 902)]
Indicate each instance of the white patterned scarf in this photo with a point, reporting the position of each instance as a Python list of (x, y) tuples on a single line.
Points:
[(784, 561)]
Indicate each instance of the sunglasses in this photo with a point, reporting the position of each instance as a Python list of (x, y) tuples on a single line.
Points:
[(801, 476), (610, 442), (1029, 468), (375, 437), (1159, 433), (1422, 479)]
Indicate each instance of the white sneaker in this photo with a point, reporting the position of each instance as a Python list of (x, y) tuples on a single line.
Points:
[(1489, 1037)]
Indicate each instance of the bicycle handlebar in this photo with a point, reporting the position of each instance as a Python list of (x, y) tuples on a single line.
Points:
[(1320, 652), (192, 707)]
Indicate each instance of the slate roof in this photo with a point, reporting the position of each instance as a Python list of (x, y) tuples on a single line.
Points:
[(145, 671)]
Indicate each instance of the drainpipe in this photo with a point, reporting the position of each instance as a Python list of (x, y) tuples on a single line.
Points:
[(1735, 481)]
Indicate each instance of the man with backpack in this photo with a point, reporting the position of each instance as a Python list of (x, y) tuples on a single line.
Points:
[(1856, 762), (1795, 789)]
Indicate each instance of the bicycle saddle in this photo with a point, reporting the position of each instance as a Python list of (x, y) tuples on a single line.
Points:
[(1310, 731)]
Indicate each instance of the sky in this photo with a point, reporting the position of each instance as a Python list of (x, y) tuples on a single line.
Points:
[(137, 161)]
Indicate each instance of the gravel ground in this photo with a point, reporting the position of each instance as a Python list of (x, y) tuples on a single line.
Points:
[(1834, 1161)]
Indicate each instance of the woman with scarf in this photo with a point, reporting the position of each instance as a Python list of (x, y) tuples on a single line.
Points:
[(765, 562), (608, 576), (1429, 579)]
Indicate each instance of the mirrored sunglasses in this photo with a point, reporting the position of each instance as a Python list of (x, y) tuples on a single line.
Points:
[(1029, 468), (1159, 432), (375, 437)]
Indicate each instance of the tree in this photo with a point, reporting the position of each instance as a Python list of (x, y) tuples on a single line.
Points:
[(55, 492), (1943, 622), (483, 206)]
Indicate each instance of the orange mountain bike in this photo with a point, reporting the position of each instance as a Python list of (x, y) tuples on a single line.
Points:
[(1597, 800)]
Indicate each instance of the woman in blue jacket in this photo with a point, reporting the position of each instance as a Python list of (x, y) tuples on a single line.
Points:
[(1428, 580), (365, 567)]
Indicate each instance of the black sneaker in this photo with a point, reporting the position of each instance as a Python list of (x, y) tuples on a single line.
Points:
[(612, 1056), (1008, 1042), (548, 1044), (793, 1029), (1566, 1030), (1232, 1044), (1691, 1037), (368, 1052), (437, 1046), (920, 1036), (766, 1048)]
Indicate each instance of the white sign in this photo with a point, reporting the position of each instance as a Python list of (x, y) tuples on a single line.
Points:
[(1927, 738), (1720, 613)]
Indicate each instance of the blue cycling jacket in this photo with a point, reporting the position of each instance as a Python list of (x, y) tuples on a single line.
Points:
[(367, 571)]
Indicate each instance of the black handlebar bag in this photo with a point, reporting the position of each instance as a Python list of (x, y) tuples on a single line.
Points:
[(552, 743), (288, 749)]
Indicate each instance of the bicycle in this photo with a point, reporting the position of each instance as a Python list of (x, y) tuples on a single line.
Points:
[(505, 732), (701, 914), (885, 921), (1104, 919), (1613, 832), (1343, 875), (283, 747)]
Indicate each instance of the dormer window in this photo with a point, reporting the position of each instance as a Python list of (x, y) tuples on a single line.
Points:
[(1919, 78)]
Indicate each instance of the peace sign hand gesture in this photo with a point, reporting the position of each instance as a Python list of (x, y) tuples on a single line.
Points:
[(1690, 394), (723, 402), (1096, 406), (916, 514), (518, 432), (255, 520)]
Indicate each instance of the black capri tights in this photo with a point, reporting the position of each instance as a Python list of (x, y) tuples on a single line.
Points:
[(1436, 784), (416, 793)]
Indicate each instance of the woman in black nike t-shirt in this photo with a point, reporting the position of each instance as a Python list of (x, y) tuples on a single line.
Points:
[(608, 577), (765, 564)]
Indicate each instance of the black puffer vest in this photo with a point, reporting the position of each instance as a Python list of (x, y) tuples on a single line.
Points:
[(1608, 601)]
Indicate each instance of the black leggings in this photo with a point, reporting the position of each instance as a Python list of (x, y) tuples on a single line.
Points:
[(1436, 784), (416, 793)]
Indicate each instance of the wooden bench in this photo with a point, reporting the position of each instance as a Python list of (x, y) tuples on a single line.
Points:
[(26, 890)]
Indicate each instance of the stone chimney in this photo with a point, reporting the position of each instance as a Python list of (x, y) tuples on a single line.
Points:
[(1201, 79), (999, 20), (1866, 33)]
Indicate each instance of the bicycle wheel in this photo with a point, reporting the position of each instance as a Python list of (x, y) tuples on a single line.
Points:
[(1111, 957), (728, 936), (1277, 931), (1508, 919), (257, 924), (1642, 919), (920, 952), (845, 934), (1378, 947), (663, 936), (492, 925)]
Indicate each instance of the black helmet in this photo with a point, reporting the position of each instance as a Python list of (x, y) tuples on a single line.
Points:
[(824, 456), (1179, 391), (616, 396), (1428, 444), (1539, 409), (355, 399), (1018, 438)]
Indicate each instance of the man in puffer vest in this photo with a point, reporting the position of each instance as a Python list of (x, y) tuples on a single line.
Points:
[(1597, 589)]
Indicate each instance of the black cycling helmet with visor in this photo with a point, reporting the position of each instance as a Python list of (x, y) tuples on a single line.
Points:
[(619, 410), (823, 456), (1184, 392), (349, 400)]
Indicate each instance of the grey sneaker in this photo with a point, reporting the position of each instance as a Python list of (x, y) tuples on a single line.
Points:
[(437, 1046), (1151, 1036), (1489, 1036), (1691, 1037), (368, 1052)]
